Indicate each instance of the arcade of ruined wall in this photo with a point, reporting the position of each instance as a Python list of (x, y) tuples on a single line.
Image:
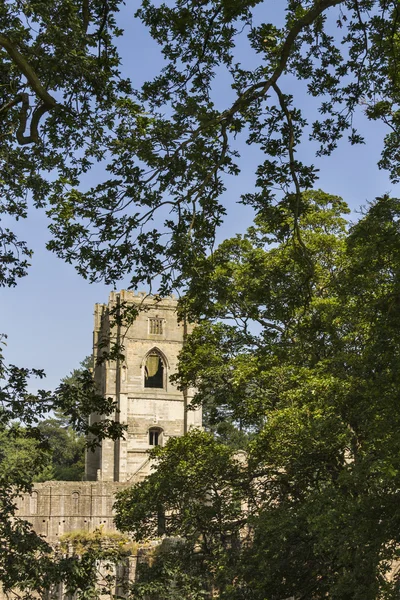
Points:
[(58, 507)]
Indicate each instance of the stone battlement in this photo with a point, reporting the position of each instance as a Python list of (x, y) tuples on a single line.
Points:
[(137, 297)]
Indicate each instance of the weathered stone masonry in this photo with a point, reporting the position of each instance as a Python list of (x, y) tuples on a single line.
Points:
[(58, 507), (155, 333), (151, 406)]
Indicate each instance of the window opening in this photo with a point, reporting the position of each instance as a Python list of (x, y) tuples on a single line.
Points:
[(34, 503), (156, 326), (154, 436), (75, 503), (154, 371)]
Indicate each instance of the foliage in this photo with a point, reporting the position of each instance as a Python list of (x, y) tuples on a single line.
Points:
[(307, 356), (85, 365), (316, 384), (93, 559), (60, 82), (66, 447), (170, 147), (26, 559), (195, 494), (53, 449), (176, 156), (80, 541), (22, 457), (170, 572)]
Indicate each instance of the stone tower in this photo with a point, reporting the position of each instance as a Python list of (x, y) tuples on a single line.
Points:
[(148, 403)]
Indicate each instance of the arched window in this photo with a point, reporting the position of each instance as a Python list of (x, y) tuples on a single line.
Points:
[(154, 375), (33, 503), (75, 503), (155, 436)]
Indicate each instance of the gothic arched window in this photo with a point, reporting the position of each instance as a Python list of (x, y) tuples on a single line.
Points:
[(154, 371)]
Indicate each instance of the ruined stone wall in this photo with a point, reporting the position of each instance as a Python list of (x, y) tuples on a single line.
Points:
[(58, 507)]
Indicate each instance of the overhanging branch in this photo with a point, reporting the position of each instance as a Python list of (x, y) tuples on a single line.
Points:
[(258, 90), (23, 99), (47, 102), (28, 71)]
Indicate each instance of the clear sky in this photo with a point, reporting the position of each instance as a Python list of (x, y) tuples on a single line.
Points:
[(48, 317)]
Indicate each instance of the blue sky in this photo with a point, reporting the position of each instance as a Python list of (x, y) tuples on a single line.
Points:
[(49, 315)]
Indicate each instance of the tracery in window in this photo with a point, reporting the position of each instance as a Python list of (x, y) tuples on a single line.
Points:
[(155, 326), (154, 371)]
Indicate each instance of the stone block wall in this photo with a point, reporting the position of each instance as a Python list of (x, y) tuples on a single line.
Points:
[(58, 507)]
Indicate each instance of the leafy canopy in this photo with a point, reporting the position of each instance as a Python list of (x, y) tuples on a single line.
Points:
[(304, 351), (27, 453), (317, 382), (169, 147)]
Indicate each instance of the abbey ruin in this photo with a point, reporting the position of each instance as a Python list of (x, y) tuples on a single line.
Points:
[(151, 407)]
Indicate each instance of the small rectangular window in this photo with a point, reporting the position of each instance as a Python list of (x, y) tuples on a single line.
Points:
[(153, 438), (155, 326)]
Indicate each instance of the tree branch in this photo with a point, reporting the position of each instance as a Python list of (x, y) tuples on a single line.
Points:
[(292, 167), (38, 112), (85, 15), (252, 92), (292, 162), (28, 71), (47, 102), (33, 137)]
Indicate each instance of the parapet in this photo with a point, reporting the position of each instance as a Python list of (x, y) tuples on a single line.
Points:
[(131, 296)]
